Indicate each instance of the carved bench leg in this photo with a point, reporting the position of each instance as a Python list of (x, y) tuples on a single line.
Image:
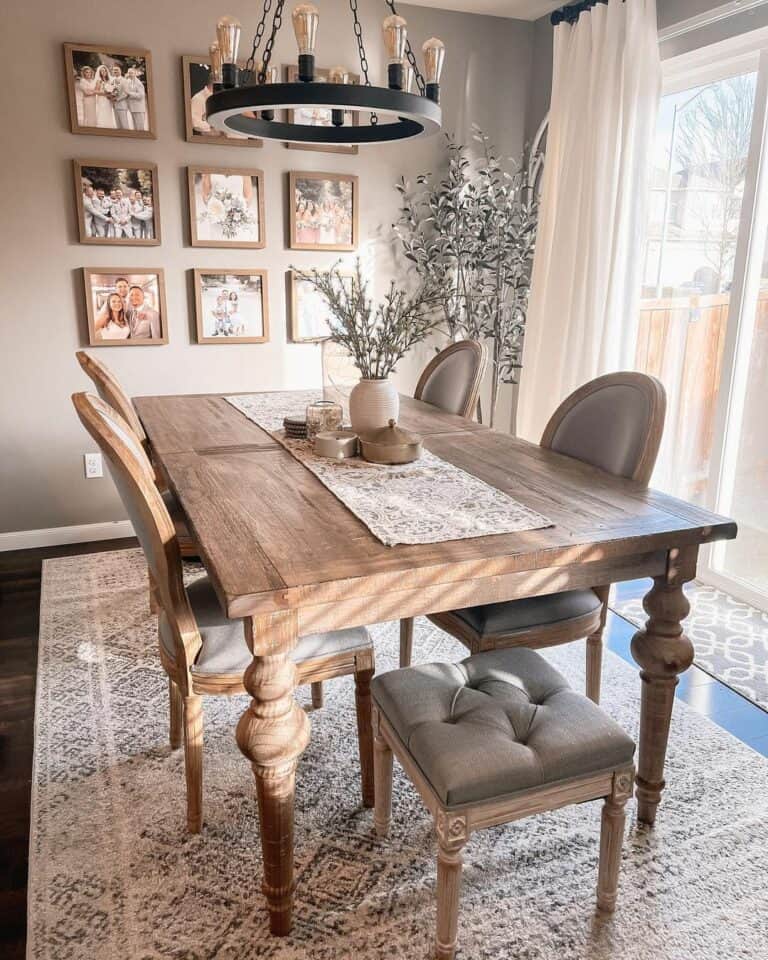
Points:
[(663, 652), (382, 778), (611, 842), (363, 673), (193, 761), (317, 695), (176, 709), (451, 837), (406, 641), (272, 733)]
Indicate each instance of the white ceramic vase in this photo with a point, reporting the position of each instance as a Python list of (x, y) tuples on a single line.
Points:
[(372, 404)]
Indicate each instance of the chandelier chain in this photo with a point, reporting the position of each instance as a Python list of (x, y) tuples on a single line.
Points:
[(411, 56), (250, 63), (277, 22), (361, 51)]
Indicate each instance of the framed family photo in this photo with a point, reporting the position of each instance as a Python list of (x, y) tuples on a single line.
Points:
[(309, 310), (226, 207), (117, 203), (318, 116), (125, 306), (198, 86), (231, 306), (323, 211), (110, 90)]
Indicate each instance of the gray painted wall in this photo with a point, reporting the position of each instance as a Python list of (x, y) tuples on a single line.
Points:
[(42, 321)]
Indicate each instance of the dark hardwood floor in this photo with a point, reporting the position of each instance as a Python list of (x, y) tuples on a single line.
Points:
[(20, 573)]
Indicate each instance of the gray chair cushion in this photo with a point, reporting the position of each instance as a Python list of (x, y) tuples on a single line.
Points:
[(516, 616), (497, 723), (607, 429), (224, 650), (450, 382)]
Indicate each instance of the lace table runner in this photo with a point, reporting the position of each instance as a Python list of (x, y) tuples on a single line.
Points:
[(428, 501)]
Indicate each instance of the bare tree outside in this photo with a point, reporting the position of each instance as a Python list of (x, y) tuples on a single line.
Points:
[(711, 159)]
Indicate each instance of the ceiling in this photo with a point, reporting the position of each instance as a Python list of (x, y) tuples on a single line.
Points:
[(520, 9)]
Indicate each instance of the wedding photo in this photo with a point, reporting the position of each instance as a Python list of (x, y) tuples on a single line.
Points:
[(117, 203), (310, 313), (110, 90), (319, 116), (226, 207), (323, 211), (198, 86), (126, 307), (231, 306)]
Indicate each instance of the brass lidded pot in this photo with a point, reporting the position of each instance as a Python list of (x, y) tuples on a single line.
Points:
[(390, 444)]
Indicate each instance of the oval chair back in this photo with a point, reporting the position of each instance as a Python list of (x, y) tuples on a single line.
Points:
[(452, 379), (614, 422), (133, 476), (111, 392)]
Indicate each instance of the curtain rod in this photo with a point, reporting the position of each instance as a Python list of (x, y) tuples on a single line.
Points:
[(572, 12)]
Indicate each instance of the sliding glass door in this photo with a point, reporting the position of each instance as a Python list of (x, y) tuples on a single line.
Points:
[(704, 314)]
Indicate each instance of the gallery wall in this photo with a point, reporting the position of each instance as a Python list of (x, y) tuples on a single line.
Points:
[(42, 322)]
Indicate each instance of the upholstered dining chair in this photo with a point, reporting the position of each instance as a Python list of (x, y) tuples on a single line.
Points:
[(111, 392), (201, 650), (614, 422), (452, 378)]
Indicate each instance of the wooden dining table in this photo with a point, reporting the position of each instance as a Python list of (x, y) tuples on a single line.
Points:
[(289, 559)]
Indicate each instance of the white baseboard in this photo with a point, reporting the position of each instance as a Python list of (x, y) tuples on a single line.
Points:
[(56, 536)]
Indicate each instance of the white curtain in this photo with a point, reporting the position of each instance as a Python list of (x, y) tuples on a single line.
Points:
[(585, 289)]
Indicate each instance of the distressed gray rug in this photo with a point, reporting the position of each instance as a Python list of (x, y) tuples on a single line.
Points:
[(730, 637), (114, 875)]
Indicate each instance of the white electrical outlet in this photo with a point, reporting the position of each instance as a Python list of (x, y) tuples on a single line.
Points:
[(93, 466)]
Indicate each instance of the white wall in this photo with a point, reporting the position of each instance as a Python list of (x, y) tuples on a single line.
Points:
[(42, 322)]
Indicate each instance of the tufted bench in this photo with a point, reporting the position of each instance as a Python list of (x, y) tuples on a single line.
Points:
[(494, 738)]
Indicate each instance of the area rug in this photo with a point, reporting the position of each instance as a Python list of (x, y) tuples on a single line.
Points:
[(730, 637), (114, 875)]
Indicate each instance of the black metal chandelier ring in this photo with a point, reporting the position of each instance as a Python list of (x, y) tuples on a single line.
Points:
[(235, 109)]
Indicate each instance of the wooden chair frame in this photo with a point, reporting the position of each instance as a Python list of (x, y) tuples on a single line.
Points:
[(481, 353), (590, 625), (131, 465), (454, 825), (112, 393)]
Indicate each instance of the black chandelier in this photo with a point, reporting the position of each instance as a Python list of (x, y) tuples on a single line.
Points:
[(247, 100)]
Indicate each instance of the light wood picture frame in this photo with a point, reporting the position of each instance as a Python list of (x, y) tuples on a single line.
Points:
[(218, 322), (103, 221), (197, 129), (320, 116), (323, 211), (121, 103), (145, 315), (226, 207), (308, 309)]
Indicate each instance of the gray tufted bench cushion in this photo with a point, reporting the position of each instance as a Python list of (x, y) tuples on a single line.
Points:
[(497, 723)]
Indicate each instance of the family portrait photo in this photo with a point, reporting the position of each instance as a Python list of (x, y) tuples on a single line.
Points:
[(226, 207), (198, 86), (323, 211), (125, 307), (310, 313), (231, 306), (117, 203), (319, 116), (110, 90)]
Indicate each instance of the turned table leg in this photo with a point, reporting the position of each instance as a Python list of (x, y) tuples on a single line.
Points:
[(663, 652), (272, 733)]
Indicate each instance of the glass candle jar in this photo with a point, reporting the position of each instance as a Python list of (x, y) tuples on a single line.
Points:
[(323, 415)]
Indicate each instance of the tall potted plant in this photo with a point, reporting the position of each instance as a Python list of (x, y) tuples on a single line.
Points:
[(471, 238), (376, 336)]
